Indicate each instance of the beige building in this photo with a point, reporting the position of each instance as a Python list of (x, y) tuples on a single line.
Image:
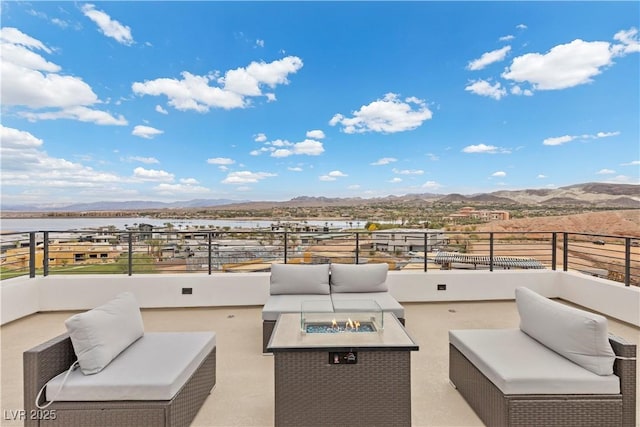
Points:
[(481, 215), (62, 254)]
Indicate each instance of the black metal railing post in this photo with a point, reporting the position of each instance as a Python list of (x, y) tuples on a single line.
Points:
[(45, 254), (130, 258), (426, 245), (285, 246), (554, 254), (490, 251), (627, 261), (32, 254), (357, 248), (209, 255), (565, 251)]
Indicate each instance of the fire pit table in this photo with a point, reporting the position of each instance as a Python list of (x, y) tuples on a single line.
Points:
[(351, 367)]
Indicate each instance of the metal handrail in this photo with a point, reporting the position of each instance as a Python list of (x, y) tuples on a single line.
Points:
[(612, 257)]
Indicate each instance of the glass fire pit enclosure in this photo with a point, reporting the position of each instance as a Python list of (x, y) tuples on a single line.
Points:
[(351, 316)]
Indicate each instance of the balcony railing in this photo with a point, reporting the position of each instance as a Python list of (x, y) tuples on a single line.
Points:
[(129, 252)]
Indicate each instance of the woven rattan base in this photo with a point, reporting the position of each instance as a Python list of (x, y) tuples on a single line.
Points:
[(55, 356), (496, 409), (311, 392)]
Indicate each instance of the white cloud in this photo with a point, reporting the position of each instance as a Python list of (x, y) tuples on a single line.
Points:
[(180, 189), (386, 115), (315, 134), (246, 177), (295, 169), (260, 43), (283, 148), (433, 157), (521, 27), (506, 38), (629, 40), (559, 140), (484, 88), (60, 23), (541, 176), (152, 175), (146, 160), (499, 174), (161, 110), (194, 92), (489, 58), (604, 135), (517, 90), (109, 27), (146, 132), (605, 172), (308, 147), (78, 113), (30, 81), (562, 67), (220, 161), (189, 181), (25, 165), (261, 137), (431, 185), (384, 161), (333, 175), (354, 187), (17, 139), (483, 148), (395, 180), (632, 163), (407, 171)]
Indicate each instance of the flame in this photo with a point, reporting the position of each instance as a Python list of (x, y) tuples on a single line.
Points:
[(334, 324), (357, 325), (349, 324)]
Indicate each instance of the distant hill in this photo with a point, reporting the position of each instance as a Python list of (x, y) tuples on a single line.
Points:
[(591, 194), (120, 206), (614, 223)]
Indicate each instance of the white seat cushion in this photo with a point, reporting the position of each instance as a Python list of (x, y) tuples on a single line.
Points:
[(518, 364), (277, 304), (359, 277), (99, 335), (299, 279), (154, 367), (384, 299), (578, 335)]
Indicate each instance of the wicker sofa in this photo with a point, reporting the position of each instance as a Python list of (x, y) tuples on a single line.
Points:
[(323, 284), (159, 379), (560, 368)]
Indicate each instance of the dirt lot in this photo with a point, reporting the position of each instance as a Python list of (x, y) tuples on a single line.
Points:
[(611, 223)]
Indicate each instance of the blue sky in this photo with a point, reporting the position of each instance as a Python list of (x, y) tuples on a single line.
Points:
[(272, 100)]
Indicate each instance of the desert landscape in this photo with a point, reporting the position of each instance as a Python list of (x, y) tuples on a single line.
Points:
[(612, 223)]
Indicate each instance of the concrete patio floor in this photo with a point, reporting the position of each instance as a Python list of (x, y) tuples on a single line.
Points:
[(244, 393)]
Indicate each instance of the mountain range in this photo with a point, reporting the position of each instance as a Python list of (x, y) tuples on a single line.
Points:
[(601, 195)]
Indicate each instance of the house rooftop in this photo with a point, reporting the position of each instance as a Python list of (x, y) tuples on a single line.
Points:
[(244, 392)]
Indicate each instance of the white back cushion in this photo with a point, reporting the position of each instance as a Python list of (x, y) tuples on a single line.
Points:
[(299, 279), (99, 335), (359, 277), (578, 335)]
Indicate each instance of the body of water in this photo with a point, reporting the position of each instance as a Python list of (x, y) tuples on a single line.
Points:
[(63, 224)]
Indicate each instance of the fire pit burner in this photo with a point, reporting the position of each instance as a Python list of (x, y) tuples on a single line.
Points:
[(335, 328)]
